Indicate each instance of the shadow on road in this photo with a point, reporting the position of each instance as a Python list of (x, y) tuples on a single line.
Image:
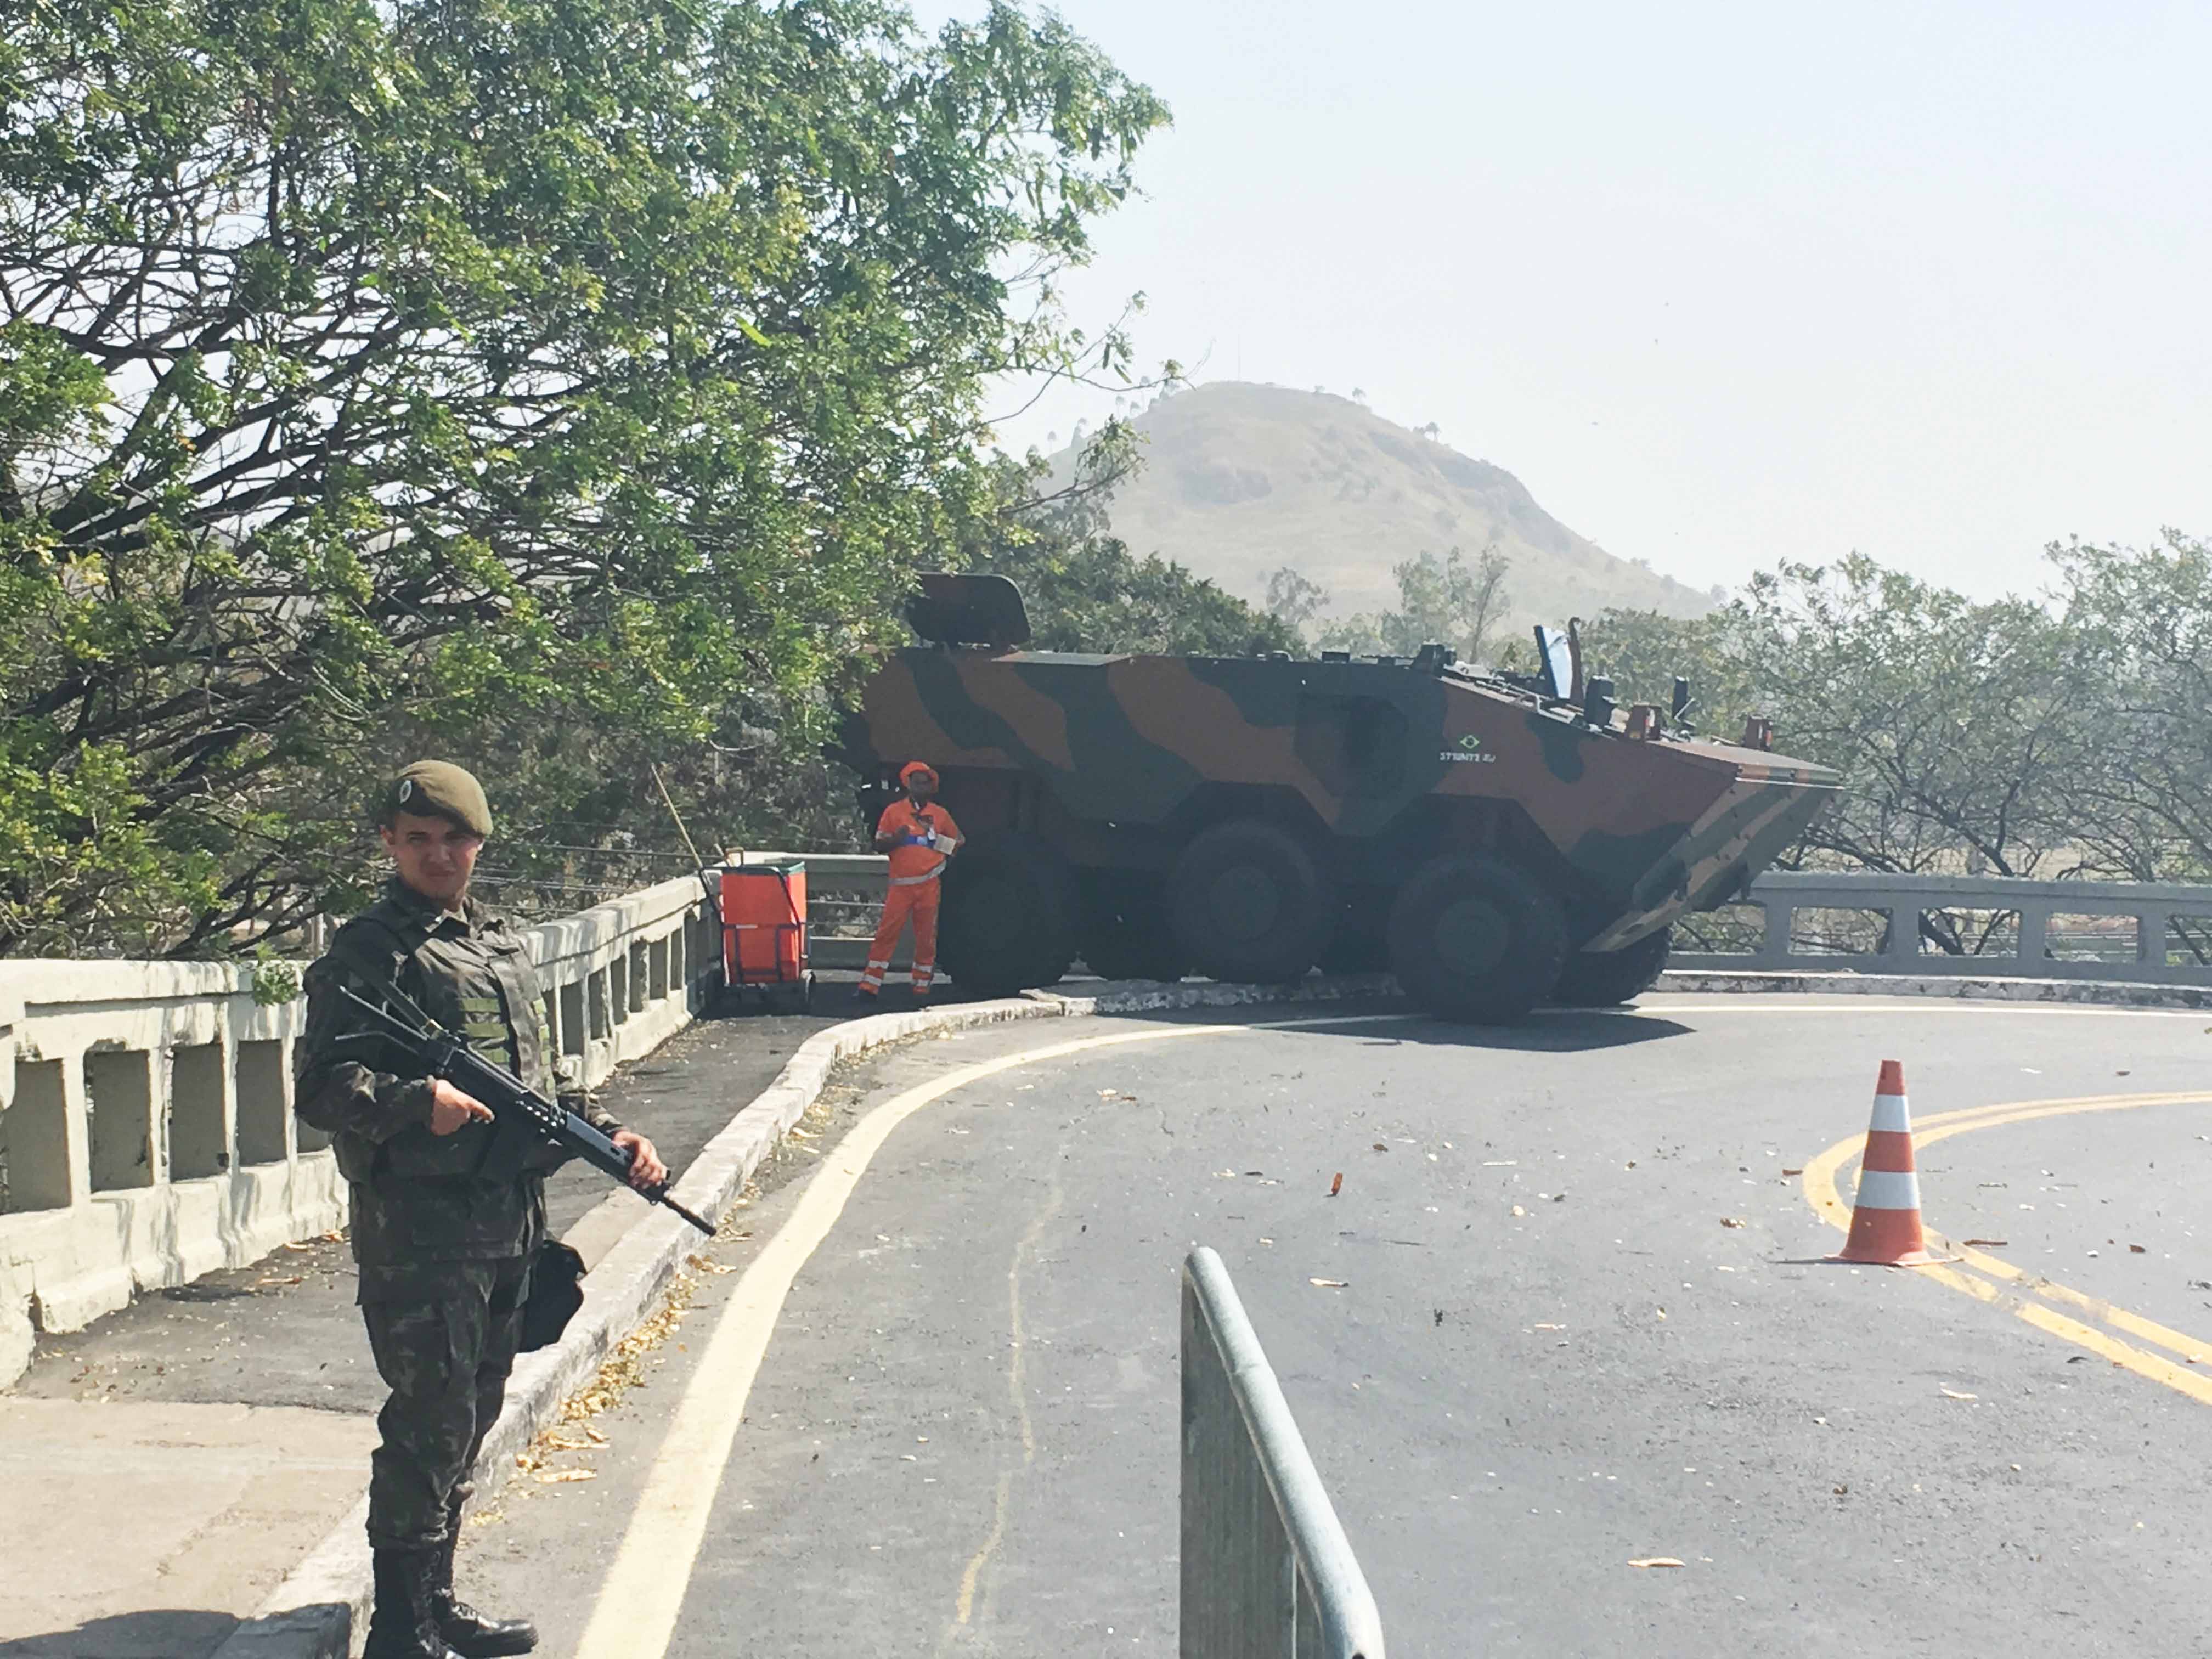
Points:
[(159, 1633), (1551, 1030)]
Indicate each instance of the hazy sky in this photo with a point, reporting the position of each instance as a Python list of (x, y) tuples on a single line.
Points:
[(1721, 284)]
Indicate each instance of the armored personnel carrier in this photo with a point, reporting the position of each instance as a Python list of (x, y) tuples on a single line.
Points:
[(1494, 841)]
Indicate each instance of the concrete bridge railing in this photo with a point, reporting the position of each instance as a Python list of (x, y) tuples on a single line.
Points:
[(146, 1127), (1982, 926), (1990, 925)]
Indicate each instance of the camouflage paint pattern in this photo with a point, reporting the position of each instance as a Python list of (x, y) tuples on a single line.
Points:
[(1654, 826), (416, 1195), (444, 1336)]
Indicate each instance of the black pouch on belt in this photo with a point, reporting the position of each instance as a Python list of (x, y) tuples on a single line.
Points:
[(557, 1291)]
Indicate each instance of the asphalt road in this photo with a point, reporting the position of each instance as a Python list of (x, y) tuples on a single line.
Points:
[(1583, 1321)]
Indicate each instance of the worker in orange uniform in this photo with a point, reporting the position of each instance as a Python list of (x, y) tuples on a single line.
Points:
[(920, 836)]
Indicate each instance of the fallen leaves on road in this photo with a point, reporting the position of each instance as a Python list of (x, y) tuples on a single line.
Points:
[(1330, 1283), (555, 1477), (1732, 1221), (1992, 1244), (1518, 1211), (1654, 1561), (1953, 1393), (2137, 1249), (1380, 1148), (1792, 1172), (1337, 1185)]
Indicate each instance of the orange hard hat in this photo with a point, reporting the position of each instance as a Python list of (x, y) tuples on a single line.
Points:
[(913, 769)]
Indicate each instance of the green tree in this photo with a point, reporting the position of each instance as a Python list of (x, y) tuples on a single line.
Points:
[(1084, 589), (1295, 600), (2138, 792), (1951, 719), (1449, 601), (441, 372)]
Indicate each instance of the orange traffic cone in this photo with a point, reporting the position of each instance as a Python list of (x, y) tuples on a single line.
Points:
[(1886, 1216)]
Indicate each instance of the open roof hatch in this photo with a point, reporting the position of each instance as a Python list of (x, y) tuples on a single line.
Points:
[(969, 609)]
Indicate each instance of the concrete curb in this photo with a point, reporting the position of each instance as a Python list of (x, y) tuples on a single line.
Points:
[(324, 1602), (1960, 986)]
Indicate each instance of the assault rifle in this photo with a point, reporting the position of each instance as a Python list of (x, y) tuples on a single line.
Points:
[(441, 1053)]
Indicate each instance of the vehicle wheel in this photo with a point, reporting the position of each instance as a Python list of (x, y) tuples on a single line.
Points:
[(1600, 979), (1125, 934), (1477, 939), (1008, 919), (1249, 903)]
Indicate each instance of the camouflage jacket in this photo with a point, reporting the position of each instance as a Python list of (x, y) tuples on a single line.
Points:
[(478, 1194)]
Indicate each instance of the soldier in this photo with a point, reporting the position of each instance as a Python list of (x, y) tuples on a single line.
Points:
[(919, 837), (447, 1209)]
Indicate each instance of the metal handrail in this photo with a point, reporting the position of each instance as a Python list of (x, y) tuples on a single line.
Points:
[(1271, 1579)]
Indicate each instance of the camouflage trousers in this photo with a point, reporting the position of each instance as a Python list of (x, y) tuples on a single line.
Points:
[(444, 1334)]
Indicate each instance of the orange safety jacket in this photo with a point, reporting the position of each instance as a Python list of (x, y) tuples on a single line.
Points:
[(927, 835)]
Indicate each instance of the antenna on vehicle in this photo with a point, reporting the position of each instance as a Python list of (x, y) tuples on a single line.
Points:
[(1683, 702)]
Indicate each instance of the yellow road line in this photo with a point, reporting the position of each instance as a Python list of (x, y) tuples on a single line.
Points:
[(635, 1616), (2018, 1284)]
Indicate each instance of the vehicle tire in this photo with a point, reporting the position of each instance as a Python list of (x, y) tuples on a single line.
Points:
[(1251, 904), (1125, 933), (1477, 939), (1601, 979), (1008, 919)]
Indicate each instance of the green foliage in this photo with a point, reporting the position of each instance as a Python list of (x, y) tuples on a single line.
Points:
[(2005, 736), (275, 982), (1448, 601), (393, 375), (2139, 792), (1294, 600), (1084, 591)]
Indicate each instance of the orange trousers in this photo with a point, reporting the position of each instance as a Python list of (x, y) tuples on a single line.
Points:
[(918, 902)]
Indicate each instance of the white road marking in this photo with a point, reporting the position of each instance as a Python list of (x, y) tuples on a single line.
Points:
[(636, 1614), (634, 1617)]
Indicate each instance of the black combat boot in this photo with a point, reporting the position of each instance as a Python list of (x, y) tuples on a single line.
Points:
[(462, 1628), (404, 1624)]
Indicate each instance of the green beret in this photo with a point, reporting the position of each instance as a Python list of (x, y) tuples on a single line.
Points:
[(439, 789)]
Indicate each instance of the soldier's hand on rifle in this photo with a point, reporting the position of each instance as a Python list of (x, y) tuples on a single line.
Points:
[(646, 1169), (450, 1108)]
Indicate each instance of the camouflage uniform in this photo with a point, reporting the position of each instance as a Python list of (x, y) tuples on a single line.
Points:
[(443, 1225)]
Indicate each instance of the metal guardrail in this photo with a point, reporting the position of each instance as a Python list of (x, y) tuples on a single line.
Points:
[(1993, 926), (1267, 1572)]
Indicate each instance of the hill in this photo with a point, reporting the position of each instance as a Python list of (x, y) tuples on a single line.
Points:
[(1241, 479)]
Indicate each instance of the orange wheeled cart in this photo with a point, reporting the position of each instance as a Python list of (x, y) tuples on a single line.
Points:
[(765, 942)]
